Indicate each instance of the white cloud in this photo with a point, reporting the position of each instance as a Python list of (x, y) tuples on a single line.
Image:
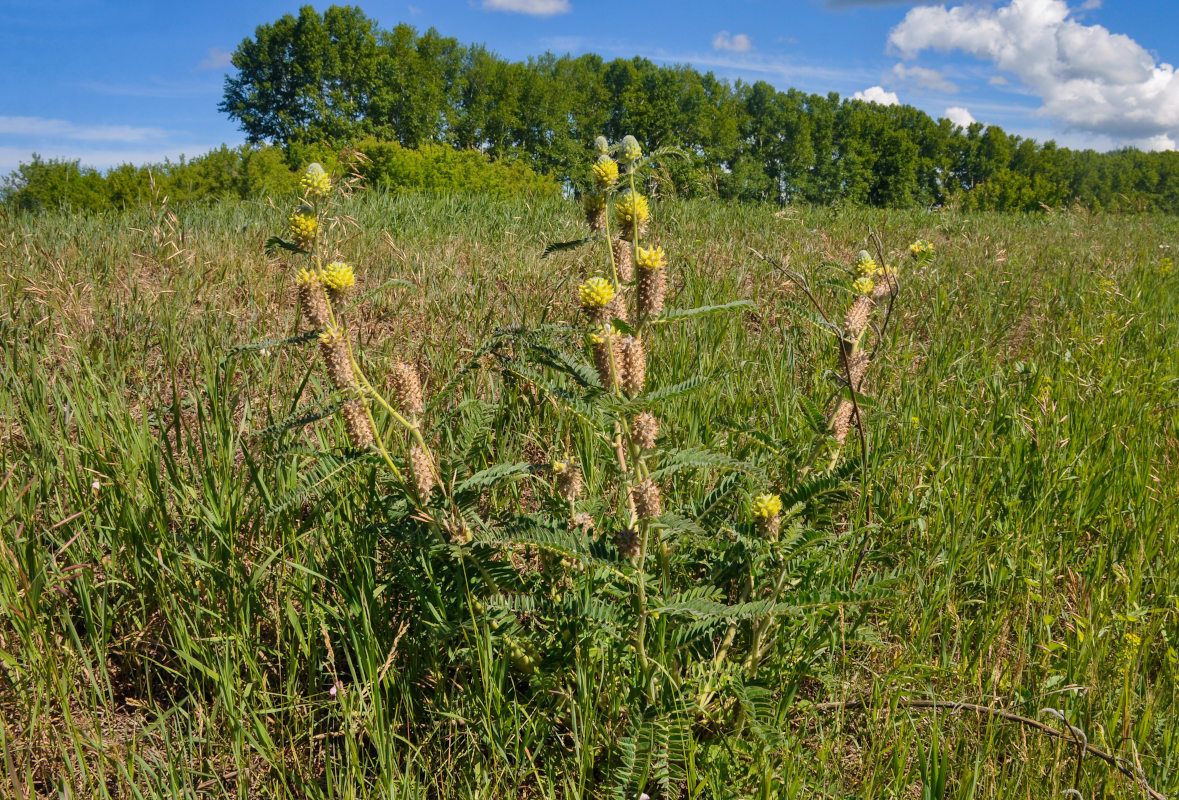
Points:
[(216, 59), (537, 8), (924, 78), (998, 80), (44, 128), (959, 116), (1091, 79), (876, 94), (99, 158), (734, 42)]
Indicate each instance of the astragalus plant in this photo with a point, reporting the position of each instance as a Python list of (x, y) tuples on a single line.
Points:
[(592, 593)]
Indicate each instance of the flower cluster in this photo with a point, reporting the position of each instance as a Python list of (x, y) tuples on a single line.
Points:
[(315, 182), (595, 293), (303, 226), (921, 250)]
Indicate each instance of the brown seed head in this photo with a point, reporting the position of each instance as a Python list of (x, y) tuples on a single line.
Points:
[(569, 482), (334, 350), (422, 467), (645, 430), (629, 544), (634, 365), (360, 432), (622, 260), (769, 526), (857, 365), (857, 316), (312, 299), (602, 344), (581, 520), (841, 420), (652, 292), (648, 499), (407, 389)]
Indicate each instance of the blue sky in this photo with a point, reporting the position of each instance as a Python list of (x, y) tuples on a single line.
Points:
[(136, 81)]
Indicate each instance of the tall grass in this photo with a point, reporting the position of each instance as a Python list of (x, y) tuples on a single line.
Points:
[(190, 609)]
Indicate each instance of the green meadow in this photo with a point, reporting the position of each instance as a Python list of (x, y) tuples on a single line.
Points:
[(206, 592)]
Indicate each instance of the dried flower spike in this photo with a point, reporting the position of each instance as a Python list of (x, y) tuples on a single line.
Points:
[(312, 300), (356, 423), (633, 366), (334, 349), (856, 319), (648, 499), (629, 544), (595, 211), (645, 430), (568, 480), (407, 389), (622, 260), (767, 510), (422, 467), (602, 345)]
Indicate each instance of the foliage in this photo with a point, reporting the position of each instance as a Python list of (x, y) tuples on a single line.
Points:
[(206, 594), (337, 77)]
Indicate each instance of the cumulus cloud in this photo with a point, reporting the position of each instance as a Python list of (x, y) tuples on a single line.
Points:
[(216, 59), (876, 94), (1086, 76), (734, 42), (923, 78), (537, 8), (959, 116), (44, 128)]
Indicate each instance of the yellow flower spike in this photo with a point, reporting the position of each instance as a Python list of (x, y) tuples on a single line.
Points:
[(631, 151), (315, 182), (601, 146), (767, 505), (865, 265), (338, 278), (921, 249), (605, 171), (303, 226), (596, 292), (631, 209), (650, 258), (864, 285)]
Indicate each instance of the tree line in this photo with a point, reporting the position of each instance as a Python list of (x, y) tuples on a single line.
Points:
[(432, 112), (337, 76)]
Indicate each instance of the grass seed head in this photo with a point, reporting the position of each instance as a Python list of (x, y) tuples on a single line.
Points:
[(336, 359), (645, 430)]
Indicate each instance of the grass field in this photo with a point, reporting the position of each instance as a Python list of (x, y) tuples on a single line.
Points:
[(192, 609)]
